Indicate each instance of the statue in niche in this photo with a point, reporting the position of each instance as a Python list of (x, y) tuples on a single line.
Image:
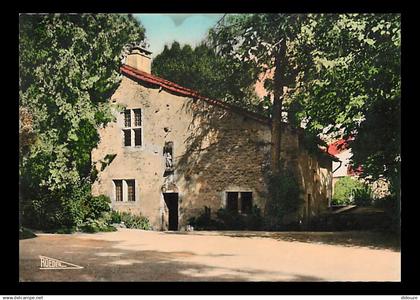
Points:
[(168, 160), (167, 155)]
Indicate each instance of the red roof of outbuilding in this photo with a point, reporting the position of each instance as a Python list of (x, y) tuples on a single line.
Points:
[(338, 146), (183, 91)]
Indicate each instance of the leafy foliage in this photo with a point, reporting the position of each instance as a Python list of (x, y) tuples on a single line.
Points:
[(97, 225), (212, 75), (348, 190), (338, 74), (227, 220), (97, 205), (363, 196), (204, 221), (231, 220), (115, 217), (351, 84), (284, 198), (265, 43), (68, 67), (55, 209), (390, 205), (131, 220)]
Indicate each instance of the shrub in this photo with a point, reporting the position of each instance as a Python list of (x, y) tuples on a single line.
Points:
[(227, 220), (343, 190), (135, 221), (115, 217), (391, 206), (204, 221), (348, 190), (363, 196), (68, 211), (284, 199), (254, 220), (58, 209), (96, 225), (101, 223), (232, 220), (96, 205)]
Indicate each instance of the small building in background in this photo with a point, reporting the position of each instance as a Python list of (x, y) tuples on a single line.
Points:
[(343, 167)]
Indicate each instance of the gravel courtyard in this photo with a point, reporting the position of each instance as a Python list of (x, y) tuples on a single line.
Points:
[(136, 255)]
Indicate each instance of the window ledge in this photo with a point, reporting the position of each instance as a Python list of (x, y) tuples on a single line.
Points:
[(133, 148)]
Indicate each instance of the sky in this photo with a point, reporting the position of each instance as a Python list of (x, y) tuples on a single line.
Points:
[(163, 29)]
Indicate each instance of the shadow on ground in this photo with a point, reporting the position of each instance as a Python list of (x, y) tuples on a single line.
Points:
[(370, 239), (104, 261)]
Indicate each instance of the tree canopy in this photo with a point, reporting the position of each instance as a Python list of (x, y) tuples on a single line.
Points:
[(263, 42), (351, 86), (68, 67), (214, 76), (336, 74)]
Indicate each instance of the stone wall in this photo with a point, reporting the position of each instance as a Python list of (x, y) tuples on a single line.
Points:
[(215, 151)]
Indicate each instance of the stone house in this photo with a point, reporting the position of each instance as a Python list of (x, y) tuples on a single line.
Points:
[(172, 151)]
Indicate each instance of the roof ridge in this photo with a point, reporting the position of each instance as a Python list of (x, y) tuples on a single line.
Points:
[(171, 86)]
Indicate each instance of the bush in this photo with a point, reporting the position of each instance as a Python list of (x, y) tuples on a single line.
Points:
[(93, 226), (343, 190), (115, 217), (135, 221), (232, 220), (284, 199), (227, 220), (96, 205), (68, 211), (204, 221), (363, 196), (348, 190), (58, 209), (391, 206)]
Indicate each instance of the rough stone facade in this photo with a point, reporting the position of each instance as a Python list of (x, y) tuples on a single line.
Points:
[(215, 150)]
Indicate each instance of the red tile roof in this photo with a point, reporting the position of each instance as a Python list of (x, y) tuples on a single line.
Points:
[(186, 92), (338, 146), (183, 91), (328, 154)]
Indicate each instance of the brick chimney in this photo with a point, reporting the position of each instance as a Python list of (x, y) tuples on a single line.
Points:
[(139, 58)]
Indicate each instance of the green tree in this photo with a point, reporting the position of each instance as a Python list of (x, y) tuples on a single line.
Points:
[(214, 76), (338, 74), (68, 67), (264, 42), (351, 85)]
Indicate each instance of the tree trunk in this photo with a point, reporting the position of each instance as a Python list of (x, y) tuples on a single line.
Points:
[(279, 77)]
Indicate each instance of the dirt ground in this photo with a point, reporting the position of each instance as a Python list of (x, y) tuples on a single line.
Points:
[(136, 255)]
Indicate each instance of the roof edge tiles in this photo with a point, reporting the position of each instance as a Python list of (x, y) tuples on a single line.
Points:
[(183, 91)]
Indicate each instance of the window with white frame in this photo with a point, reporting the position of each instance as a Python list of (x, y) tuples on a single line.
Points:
[(240, 202), (132, 130), (124, 190)]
